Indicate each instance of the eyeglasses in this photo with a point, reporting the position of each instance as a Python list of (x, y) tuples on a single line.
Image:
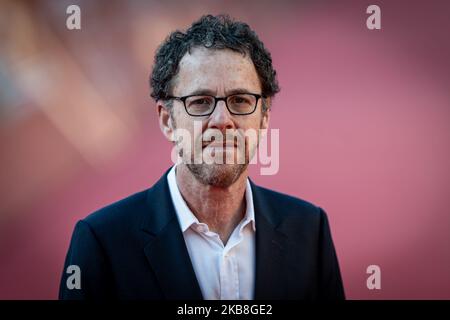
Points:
[(204, 105)]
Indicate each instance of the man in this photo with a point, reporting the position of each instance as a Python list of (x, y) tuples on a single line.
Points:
[(204, 230)]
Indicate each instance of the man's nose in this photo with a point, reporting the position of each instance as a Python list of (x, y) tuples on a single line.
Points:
[(221, 118)]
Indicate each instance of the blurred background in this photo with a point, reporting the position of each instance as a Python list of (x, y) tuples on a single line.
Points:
[(363, 118)]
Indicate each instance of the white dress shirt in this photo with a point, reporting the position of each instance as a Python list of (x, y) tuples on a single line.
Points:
[(223, 272)]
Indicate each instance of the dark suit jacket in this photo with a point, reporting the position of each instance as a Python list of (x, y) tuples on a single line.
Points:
[(134, 249)]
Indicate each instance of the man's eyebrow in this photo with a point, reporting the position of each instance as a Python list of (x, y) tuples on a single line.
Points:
[(207, 92), (238, 90), (210, 92)]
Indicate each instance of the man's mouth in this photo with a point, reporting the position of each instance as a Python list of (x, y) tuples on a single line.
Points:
[(224, 145)]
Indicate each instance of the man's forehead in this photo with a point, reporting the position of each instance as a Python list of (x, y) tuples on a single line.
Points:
[(202, 54), (216, 69)]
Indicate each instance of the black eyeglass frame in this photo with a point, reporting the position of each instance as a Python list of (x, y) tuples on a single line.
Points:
[(217, 99)]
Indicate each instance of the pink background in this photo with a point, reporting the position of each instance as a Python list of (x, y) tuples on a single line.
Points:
[(363, 118)]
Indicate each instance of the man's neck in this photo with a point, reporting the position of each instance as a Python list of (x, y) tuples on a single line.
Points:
[(220, 208)]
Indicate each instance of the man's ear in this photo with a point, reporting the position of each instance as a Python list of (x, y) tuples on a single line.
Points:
[(165, 120)]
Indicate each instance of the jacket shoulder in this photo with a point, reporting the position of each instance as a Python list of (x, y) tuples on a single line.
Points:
[(302, 221), (127, 211), (288, 207)]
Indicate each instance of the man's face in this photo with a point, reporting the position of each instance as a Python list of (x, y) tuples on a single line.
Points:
[(217, 73)]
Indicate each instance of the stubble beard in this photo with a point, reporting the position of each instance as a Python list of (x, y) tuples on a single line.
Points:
[(219, 175)]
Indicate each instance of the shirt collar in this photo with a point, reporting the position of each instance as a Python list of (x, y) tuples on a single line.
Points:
[(185, 216)]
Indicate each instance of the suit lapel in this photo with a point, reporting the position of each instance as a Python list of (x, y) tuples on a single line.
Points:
[(165, 248), (271, 250)]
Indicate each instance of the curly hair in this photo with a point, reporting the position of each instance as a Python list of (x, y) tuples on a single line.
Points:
[(214, 32)]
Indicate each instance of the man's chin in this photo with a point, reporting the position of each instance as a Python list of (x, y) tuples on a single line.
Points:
[(217, 175)]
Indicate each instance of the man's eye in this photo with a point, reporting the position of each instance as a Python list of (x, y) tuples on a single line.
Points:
[(239, 100), (200, 102)]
